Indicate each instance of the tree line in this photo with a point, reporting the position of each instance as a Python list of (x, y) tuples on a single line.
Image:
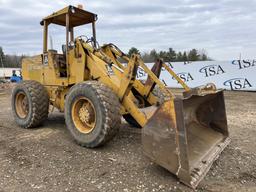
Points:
[(10, 61), (148, 57), (171, 55)]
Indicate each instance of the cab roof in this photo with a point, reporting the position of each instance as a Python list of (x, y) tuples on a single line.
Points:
[(77, 17)]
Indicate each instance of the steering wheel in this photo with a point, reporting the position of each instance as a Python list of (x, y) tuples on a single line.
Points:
[(89, 40), (82, 37)]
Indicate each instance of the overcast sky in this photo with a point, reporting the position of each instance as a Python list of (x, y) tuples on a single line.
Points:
[(225, 28)]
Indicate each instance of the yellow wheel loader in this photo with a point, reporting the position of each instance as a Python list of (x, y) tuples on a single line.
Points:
[(94, 90)]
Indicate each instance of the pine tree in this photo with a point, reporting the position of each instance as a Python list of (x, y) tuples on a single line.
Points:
[(171, 55), (185, 57), (193, 55), (133, 50), (179, 56)]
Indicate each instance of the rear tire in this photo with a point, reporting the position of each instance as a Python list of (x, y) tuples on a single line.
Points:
[(30, 104), (92, 113)]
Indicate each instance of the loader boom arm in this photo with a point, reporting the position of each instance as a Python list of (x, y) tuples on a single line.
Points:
[(109, 55)]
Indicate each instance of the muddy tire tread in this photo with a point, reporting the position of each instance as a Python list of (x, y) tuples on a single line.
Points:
[(110, 106), (39, 102)]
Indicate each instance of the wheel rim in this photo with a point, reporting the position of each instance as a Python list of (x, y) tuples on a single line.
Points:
[(83, 115), (21, 105)]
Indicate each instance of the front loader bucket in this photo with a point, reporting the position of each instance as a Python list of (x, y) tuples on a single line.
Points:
[(186, 135)]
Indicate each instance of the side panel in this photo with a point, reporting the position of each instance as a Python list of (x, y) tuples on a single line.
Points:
[(32, 68), (43, 70), (77, 60), (50, 71)]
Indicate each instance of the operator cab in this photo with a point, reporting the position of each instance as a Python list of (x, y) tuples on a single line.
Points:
[(70, 17)]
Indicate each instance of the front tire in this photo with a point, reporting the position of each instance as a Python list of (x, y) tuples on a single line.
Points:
[(92, 113), (30, 104)]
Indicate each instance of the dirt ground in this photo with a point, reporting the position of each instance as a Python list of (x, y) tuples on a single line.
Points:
[(47, 158)]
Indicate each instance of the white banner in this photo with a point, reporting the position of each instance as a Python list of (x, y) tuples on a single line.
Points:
[(7, 72), (230, 75)]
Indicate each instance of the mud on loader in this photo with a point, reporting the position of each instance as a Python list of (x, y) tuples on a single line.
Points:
[(94, 89)]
